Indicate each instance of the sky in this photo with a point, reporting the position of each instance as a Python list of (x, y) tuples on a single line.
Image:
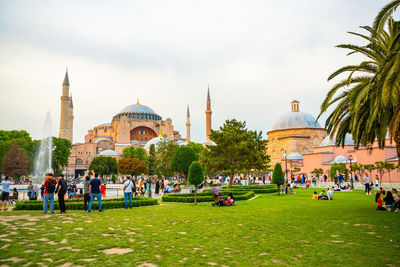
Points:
[(257, 56)]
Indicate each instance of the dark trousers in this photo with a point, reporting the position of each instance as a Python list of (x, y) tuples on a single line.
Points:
[(61, 201), (86, 199)]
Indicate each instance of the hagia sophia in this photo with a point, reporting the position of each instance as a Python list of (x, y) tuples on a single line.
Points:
[(134, 125), (296, 139)]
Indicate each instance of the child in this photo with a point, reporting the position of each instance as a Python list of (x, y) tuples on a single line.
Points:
[(389, 201), (229, 202), (378, 200), (315, 196)]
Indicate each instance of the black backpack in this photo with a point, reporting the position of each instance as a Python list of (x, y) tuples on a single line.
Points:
[(51, 186)]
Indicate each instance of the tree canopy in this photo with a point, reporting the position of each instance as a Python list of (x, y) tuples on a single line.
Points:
[(277, 177), (337, 167), (135, 152), (61, 152), (104, 165), (236, 149), (195, 177), (165, 151), (15, 162), (184, 156), (132, 166)]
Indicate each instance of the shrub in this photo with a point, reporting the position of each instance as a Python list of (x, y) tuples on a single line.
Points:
[(189, 198), (77, 204), (277, 177)]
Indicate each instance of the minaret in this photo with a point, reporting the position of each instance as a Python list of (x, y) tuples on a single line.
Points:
[(188, 125), (65, 131), (71, 120), (208, 117)]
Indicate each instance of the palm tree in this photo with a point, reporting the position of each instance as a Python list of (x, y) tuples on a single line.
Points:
[(384, 15), (367, 100)]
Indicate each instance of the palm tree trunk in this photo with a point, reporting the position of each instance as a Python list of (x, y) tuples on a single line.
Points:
[(396, 139)]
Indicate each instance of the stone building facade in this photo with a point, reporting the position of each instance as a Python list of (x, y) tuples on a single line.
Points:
[(294, 132)]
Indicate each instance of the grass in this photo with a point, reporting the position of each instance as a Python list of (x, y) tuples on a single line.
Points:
[(285, 230)]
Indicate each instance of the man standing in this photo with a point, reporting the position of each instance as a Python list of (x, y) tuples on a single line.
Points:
[(61, 189), (366, 183), (94, 191), (49, 188), (5, 192), (86, 192), (128, 192)]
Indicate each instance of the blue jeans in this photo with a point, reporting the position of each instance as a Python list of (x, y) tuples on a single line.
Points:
[(92, 196), (128, 195), (48, 197)]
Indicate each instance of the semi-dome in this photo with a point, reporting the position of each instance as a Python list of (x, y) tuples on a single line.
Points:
[(154, 141), (331, 141), (296, 119), (340, 159), (109, 153), (138, 111)]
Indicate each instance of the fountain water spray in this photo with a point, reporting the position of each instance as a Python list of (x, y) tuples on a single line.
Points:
[(43, 156)]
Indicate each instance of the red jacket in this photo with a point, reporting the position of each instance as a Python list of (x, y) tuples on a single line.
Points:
[(46, 183)]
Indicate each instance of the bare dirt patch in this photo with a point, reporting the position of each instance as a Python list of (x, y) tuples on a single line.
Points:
[(337, 241), (182, 233), (276, 260), (119, 251), (146, 264), (13, 259), (263, 254)]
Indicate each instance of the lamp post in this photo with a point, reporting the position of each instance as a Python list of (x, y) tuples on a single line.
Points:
[(351, 172), (286, 172)]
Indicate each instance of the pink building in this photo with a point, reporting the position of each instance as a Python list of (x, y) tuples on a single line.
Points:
[(325, 154)]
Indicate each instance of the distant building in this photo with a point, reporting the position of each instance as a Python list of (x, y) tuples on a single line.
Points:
[(134, 125), (297, 140)]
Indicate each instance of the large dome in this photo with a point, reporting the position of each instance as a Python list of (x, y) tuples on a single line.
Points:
[(328, 141), (295, 119), (138, 111)]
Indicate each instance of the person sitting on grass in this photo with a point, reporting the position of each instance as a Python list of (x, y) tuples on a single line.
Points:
[(378, 200), (329, 194), (322, 196), (396, 200), (389, 201), (229, 202), (382, 191), (315, 196), (168, 190), (230, 195)]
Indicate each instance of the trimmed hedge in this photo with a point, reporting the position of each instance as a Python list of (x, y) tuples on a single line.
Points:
[(81, 200), (75, 205), (189, 198)]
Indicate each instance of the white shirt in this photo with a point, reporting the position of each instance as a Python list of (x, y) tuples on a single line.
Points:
[(128, 186), (330, 194)]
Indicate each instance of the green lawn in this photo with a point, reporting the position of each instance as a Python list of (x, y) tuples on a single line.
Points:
[(286, 230)]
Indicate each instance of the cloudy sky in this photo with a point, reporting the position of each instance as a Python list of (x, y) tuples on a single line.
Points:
[(257, 56)]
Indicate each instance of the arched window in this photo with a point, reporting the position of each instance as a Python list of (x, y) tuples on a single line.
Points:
[(78, 161)]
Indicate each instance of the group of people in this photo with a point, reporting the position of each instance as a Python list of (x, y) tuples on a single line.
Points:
[(324, 196), (390, 198), (59, 186)]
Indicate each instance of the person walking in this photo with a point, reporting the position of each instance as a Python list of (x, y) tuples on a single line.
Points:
[(86, 192), (366, 183), (5, 193), (157, 189), (49, 188), (148, 187), (94, 191), (30, 189), (128, 192), (60, 191)]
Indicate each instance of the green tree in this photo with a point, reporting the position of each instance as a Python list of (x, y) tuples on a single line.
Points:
[(384, 15), (15, 162), (152, 159), (317, 172), (132, 166), (184, 156), (135, 152), (195, 177), (165, 151), (366, 103), (236, 148), (277, 177), (370, 168), (104, 165), (382, 168), (61, 152), (337, 167), (358, 169)]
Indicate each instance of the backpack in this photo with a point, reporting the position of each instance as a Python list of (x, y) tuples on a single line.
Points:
[(51, 186)]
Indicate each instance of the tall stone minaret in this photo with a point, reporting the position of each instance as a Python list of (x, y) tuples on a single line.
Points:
[(71, 120), (188, 125), (208, 117), (66, 117)]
